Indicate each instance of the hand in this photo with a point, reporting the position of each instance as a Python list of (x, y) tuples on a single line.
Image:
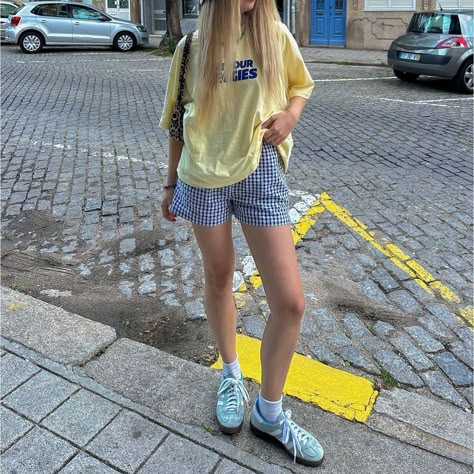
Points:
[(279, 126), (165, 205)]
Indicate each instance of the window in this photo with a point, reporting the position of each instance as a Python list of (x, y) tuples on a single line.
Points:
[(51, 9), (6, 10), (447, 4), (84, 13), (435, 23), (390, 5)]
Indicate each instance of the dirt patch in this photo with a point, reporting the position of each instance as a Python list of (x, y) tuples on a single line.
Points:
[(97, 297)]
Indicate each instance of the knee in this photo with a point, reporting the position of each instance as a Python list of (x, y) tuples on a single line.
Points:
[(219, 280), (293, 308)]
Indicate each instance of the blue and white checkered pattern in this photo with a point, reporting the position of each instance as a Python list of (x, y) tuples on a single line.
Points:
[(260, 200)]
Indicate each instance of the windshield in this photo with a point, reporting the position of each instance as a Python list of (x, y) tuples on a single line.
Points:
[(434, 23)]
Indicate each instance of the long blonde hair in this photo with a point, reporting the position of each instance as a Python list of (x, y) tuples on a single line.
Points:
[(220, 26)]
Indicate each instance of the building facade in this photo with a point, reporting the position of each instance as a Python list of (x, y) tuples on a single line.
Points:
[(355, 24), (360, 24)]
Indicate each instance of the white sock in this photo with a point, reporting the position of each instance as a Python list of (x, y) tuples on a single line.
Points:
[(232, 370), (269, 410)]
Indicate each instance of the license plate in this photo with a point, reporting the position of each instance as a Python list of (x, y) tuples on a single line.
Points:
[(410, 56)]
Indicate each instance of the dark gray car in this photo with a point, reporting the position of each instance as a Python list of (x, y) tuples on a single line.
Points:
[(436, 44)]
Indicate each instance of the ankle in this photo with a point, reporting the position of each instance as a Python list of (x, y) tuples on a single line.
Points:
[(270, 410), (232, 370)]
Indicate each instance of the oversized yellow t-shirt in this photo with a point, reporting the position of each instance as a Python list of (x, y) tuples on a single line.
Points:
[(226, 148)]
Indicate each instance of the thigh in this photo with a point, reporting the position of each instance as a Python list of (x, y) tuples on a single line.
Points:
[(274, 253), (217, 249)]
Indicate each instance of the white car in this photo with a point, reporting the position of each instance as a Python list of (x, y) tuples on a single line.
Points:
[(6, 9)]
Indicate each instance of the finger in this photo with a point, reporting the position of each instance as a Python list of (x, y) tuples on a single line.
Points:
[(268, 123)]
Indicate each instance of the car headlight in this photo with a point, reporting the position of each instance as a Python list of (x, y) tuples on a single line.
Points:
[(141, 28)]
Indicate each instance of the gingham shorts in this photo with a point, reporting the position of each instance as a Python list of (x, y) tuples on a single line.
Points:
[(261, 199)]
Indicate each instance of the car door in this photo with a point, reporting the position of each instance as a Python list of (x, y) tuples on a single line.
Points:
[(53, 19), (6, 9), (90, 26)]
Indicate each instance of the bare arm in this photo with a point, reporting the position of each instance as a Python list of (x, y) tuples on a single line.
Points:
[(174, 155)]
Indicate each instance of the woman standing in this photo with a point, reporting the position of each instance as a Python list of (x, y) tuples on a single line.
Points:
[(246, 86)]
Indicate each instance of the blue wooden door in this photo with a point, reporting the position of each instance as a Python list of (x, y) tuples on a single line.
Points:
[(328, 22)]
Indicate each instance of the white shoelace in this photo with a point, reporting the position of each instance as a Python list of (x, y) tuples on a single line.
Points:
[(237, 392), (292, 431)]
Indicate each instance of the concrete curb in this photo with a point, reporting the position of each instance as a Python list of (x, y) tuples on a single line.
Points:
[(158, 382), (409, 417)]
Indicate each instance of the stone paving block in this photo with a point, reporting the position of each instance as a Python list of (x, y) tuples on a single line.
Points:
[(254, 325), (441, 387), (372, 291), (383, 278), (468, 394), (338, 339), (81, 417), (12, 427), (466, 335), (82, 463), (321, 352), (414, 356), (180, 455), (398, 368), (383, 329), (14, 371), (373, 344), (40, 395), (355, 326), (405, 301), (424, 339), (358, 359), (437, 328), (195, 309), (229, 467), (463, 352), (457, 372), (38, 452), (127, 441), (324, 319), (417, 292), (444, 315)]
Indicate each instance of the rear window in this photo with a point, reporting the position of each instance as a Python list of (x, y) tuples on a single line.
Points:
[(6, 10), (467, 25), (435, 23)]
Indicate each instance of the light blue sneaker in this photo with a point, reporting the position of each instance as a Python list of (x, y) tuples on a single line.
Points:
[(230, 404), (302, 446)]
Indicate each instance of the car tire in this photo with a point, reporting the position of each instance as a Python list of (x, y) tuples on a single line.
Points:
[(405, 76), (125, 41), (31, 42), (463, 79)]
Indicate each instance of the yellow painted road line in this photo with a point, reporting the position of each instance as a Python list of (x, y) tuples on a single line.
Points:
[(412, 268), (333, 390)]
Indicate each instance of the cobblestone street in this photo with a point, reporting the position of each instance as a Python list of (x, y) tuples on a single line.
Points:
[(83, 164)]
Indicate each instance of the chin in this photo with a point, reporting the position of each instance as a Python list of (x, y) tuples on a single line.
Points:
[(247, 6)]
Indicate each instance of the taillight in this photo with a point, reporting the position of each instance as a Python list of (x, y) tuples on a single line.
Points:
[(453, 42), (15, 21)]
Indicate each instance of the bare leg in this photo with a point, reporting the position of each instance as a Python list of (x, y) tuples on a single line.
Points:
[(217, 252), (274, 254)]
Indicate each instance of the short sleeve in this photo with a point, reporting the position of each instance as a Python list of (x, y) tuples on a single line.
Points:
[(300, 82), (172, 88)]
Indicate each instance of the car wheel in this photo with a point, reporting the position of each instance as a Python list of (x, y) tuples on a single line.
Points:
[(31, 42), (125, 41), (405, 76), (464, 78)]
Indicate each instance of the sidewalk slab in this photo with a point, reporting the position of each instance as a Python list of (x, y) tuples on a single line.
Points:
[(62, 336), (344, 56), (184, 391), (425, 422)]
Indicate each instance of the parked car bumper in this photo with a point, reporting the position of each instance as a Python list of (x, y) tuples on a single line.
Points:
[(10, 35), (430, 62), (143, 39)]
